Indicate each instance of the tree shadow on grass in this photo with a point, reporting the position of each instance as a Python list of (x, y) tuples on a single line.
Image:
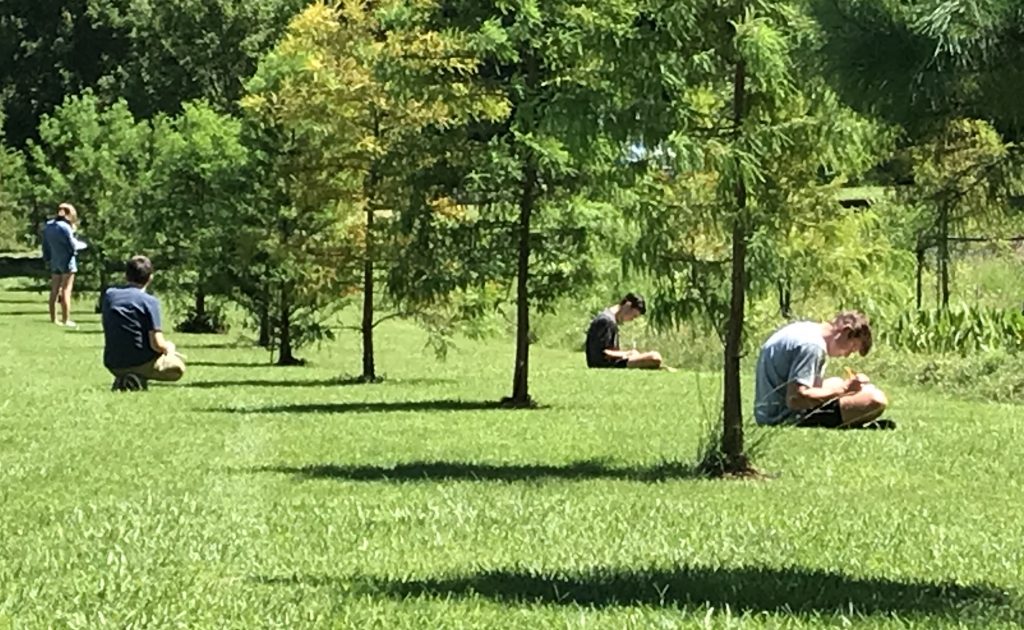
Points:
[(375, 407), (466, 471), (228, 364), (21, 300), (754, 590), (327, 382), (41, 312)]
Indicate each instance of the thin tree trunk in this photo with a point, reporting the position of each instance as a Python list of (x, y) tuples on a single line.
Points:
[(732, 403), (943, 255), (785, 298), (200, 304), (920, 272), (285, 356), (264, 341), (369, 369), (520, 379)]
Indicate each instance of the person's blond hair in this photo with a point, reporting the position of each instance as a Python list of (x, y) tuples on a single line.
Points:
[(68, 212), (857, 326)]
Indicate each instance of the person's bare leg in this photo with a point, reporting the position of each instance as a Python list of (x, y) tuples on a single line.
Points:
[(645, 361), (863, 407), (67, 283), (54, 296)]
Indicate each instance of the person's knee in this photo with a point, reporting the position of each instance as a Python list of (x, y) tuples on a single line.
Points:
[(879, 398), (655, 358)]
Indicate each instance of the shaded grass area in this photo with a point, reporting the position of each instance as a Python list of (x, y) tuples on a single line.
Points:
[(746, 590), (250, 496)]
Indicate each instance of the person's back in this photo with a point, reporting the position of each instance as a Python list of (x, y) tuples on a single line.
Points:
[(602, 335), (795, 353), (129, 315), (59, 247)]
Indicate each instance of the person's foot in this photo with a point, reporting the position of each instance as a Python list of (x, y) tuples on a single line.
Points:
[(129, 383), (881, 424), (69, 324)]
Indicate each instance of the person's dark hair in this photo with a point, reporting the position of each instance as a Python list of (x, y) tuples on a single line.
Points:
[(857, 326), (138, 270), (636, 301)]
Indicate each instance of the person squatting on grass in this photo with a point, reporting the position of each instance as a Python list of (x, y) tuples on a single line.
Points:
[(603, 338), (135, 349), (790, 384), (60, 249)]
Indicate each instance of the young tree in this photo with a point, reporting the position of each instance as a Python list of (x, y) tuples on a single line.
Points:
[(197, 187), (373, 78), (752, 137), (511, 201)]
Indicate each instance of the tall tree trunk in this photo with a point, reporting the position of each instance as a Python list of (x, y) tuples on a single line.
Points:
[(732, 402), (920, 271), (520, 379), (285, 356)]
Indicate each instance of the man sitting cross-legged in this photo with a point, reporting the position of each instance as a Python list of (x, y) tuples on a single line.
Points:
[(136, 350), (790, 388), (603, 338)]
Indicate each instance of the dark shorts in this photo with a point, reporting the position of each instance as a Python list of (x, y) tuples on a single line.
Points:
[(826, 416), (619, 363)]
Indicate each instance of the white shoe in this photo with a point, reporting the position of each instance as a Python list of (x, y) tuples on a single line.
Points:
[(69, 324)]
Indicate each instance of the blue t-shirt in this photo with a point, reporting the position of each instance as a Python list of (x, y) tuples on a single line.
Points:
[(129, 315), (794, 354), (59, 247)]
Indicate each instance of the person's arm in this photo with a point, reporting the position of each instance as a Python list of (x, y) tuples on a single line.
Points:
[(157, 341), (608, 334), (804, 392), (800, 397), (68, 236), (619, 354), (46, 248)]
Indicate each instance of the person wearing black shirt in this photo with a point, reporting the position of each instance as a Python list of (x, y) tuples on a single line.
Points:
[(603, 338)]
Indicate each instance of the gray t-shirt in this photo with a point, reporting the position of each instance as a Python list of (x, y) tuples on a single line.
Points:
[(129, 314), (796, 353)]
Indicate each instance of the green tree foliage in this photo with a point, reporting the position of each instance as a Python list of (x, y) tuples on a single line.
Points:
[(154, 55), (100, 159), (198, 187), (14, 198), (48, 50)]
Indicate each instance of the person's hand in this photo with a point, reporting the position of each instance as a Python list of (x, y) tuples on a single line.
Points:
[(853, 385), (170, 349)]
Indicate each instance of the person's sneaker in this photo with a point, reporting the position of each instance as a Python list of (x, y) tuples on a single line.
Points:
[(129, 383), (69, 324), (881, 424)]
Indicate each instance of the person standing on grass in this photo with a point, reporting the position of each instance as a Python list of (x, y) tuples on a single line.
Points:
[(602, 345), (790, 384), (135, 350), (60, 249)]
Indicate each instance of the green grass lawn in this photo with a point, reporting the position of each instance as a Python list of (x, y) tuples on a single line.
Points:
[(252, 496)]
